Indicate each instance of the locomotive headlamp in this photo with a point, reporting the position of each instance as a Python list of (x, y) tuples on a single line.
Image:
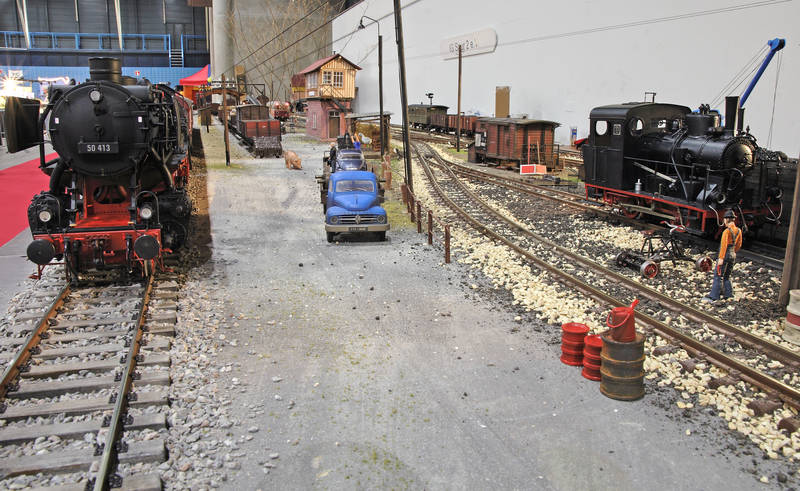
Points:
[(96, 96), (45, 216), (146, 212), (334, 219)]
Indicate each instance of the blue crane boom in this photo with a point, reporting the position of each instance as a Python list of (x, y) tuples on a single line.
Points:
[(775, 45)]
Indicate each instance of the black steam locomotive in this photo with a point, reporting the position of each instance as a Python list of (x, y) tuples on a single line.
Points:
[(665, 162), (117, 194)]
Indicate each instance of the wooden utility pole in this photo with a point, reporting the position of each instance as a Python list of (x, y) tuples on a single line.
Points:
[(384, 131), (791, 262), (458, 111), (401, 59), (225, 122)]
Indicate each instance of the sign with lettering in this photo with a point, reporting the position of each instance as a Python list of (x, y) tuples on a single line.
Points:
[(474, 43)]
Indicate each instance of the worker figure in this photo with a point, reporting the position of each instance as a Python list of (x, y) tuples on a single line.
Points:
[(730, 243)]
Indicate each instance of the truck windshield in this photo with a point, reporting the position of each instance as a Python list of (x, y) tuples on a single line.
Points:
[(352, 185)]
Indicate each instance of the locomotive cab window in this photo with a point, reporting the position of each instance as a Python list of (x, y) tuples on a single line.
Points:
[(636, 127)]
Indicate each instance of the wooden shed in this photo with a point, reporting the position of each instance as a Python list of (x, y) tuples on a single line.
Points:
[(511, 142), (333, 77)]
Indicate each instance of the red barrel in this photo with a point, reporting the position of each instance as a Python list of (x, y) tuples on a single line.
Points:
[(593, 345), (572, 335), (622, 323)]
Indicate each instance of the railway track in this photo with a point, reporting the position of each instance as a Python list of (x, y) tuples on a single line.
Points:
[(764, 254), (583, 274), (84, 386)]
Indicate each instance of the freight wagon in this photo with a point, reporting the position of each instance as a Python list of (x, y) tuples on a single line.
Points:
[(257, 130), (511, 142)]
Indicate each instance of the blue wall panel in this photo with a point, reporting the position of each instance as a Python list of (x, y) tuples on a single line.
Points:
[(81, 73)]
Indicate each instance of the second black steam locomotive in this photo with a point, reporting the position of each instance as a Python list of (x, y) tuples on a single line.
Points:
[(668, 163)]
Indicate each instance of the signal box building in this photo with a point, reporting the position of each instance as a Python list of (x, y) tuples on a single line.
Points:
[(328, 89)]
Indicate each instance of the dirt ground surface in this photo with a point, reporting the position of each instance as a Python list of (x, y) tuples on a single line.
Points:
[(371, 365)]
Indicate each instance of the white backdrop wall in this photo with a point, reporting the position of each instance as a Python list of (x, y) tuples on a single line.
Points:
[(563, 58)]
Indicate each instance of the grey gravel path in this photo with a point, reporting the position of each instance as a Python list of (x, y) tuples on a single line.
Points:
[(372, 365)]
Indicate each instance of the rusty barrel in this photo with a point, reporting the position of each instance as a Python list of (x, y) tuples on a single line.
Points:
[(622, 368), (791, 328)]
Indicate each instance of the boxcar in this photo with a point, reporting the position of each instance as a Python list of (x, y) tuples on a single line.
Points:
[(510, 142), (419, 115)]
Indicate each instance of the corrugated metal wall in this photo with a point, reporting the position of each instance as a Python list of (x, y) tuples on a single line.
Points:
[(98, 16)]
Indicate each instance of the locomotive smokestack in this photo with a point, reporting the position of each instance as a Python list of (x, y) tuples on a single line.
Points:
[(103, 68), (731, 113)]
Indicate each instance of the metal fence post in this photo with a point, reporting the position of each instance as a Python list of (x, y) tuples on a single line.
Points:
[(419, 218), (411, 205), (447, 244)]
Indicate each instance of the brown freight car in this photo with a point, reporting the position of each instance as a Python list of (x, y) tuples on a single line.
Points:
[(510, 142), (467, 124), (253, 125)]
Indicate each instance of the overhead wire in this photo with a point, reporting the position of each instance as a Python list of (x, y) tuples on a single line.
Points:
[(321, 3), (774, 98), (331, 43), (735, 81), (298, 40)]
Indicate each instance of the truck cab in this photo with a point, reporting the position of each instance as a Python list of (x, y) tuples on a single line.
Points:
[(353, 205)]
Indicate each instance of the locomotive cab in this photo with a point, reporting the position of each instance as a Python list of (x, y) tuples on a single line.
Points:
[(617, 130)]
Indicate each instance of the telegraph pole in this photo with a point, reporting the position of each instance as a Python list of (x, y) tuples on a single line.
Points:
[(791, 262), (458, 111), (401, 59), (384, 130), (225, 122)]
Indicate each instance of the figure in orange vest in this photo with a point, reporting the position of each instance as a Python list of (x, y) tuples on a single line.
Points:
[(730, 243)]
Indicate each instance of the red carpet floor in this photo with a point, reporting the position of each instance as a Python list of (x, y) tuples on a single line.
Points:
[(18, 184)]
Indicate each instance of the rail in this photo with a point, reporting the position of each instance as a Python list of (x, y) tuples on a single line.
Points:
[(769, 384)]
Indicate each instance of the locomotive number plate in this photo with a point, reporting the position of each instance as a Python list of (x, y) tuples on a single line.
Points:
[(100, 147)]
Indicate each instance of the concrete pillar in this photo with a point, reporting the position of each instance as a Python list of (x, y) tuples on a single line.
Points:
[(222, 48)]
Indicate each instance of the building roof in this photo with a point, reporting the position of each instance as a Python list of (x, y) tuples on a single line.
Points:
[(366, 115), (518, 121), (317, 64)]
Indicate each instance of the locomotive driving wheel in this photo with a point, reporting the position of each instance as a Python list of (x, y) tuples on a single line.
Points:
[(624, 210)]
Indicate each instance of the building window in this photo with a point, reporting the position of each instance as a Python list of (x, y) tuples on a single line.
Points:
[(338, 79), (326, 78), (311, 80)]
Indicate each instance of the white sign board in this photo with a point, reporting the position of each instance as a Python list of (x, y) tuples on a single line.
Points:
[(474, 43)]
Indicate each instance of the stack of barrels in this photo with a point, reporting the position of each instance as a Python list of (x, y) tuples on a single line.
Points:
[(622, 356), (791, 329), (572, 336), (592, 347)]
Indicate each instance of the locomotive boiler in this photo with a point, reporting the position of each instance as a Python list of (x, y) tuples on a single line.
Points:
[(117, 194), (666, 162)]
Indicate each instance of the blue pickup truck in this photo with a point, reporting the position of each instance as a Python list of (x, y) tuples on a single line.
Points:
[(353, 205)]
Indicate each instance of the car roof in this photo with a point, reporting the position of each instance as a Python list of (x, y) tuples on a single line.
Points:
[(352, 175)]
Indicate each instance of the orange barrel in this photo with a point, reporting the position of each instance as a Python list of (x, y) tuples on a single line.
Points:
[(791, 328), (622, 323), (572, 335), (591, 357), (622, 368)]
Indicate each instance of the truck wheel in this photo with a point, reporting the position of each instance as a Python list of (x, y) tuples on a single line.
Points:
[(330, 236)]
